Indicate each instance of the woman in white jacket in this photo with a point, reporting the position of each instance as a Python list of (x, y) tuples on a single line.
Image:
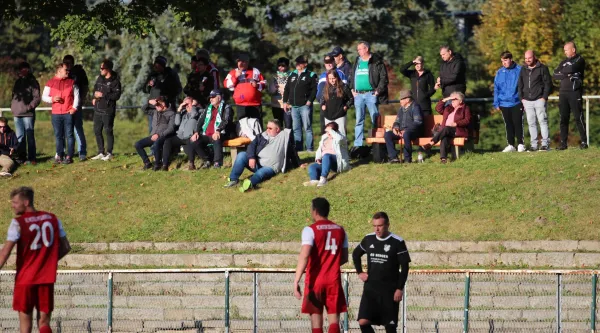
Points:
[(332, 155)]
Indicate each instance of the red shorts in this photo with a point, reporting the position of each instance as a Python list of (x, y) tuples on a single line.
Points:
[(30, 296), (328, 296)]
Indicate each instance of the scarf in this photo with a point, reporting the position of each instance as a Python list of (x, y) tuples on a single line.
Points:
[(209, 116)]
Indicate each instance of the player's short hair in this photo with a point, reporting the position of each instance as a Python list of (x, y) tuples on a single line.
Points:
[(321, 206), (382, 215), (23, 192)]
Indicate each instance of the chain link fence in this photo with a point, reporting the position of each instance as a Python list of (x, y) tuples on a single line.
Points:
[(261, 300)]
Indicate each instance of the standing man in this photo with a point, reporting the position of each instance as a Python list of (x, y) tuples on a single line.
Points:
[(25, 98), (324, 251), (163, 81), (408, 126), (77, 73), (452, 72), (506, 99), (107, 92), (199, 82), (247, 83), (210, 67), (299, 94), (41, 242), (384, 283), (571, 72), (329, 64), (535, 85), (341, 62), (369, 83)]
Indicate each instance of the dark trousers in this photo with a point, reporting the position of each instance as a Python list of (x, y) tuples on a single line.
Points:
[(446, 135), (322, 121), (106, 122), (408, 136), (63, 128), (250, 112), (285, 118), (567, 103), (157, 147), (203, 142), (513, 121), (174, 143)]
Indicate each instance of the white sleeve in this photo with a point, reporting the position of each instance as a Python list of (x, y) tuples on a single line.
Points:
[(308, 236), (46, 95), (345, 246), (14, 231), (75, 97), (61, 230)]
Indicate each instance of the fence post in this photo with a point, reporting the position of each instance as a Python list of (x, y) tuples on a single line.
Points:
[(255, 299), (226, 301), (587, 120), (109, 317), (404, 316), (466, 311), (593, 314), (558, 302), (347, 294)]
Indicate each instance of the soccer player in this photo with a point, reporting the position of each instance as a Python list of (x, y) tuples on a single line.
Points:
[(41, 241), (324, 251), (384, 284)]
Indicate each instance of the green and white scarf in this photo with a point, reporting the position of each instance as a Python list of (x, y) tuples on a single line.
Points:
[(209, 116)]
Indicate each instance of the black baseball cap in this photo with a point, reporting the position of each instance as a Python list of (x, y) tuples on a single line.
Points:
[(215, 92), (336, 51)]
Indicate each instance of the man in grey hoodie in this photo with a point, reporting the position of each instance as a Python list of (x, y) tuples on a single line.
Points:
[(25, 98)]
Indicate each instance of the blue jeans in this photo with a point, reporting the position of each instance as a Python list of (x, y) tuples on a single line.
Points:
[(328, 163), (360, 101), (79, 135), (301, 120), (260, 173), (25, 134), (63, 128)]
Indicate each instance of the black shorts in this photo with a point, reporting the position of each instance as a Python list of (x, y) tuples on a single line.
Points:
[(377, 305)]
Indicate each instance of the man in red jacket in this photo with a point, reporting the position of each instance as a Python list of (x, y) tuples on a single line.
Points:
[(246, 83)]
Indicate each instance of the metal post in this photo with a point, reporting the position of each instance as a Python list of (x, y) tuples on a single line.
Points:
[(109, 318), (593, 314), (347, 294), (558, 302), (226, 301), (587, 120), (404, 316), (466, 310), (255, 299)]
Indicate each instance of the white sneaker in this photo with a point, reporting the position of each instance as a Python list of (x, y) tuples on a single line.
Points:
[(107, 157), (509, 149), (98, 157), (322, 182), (521, 148), (311, 183), (5, 174)]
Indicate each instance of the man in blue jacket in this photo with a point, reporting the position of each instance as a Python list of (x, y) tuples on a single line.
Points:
[(408, 125), (506, 99)]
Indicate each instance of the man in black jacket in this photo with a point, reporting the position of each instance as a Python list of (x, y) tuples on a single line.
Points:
[(107, 92), (452, 72), (368, 80), (25, 98), (422, 84), (535, 85), (570, 72), (77, 73), (8, 147), (199, 82), (163, 81), (162, 128), (299, 94)]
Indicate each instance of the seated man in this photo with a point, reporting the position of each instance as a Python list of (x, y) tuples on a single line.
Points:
[(408, 125), (269, 153), (8, 147), (163, 126), (214, 126), (187, 120)]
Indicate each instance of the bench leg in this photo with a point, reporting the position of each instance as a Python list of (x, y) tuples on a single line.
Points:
[(457, 151), (233, 151)]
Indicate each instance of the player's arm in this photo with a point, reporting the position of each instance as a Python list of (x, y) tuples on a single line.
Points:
[(356, 258), (300, 268), (5, 253), (64, 247)]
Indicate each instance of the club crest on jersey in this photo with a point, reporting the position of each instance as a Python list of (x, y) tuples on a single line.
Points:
[(387, 247)]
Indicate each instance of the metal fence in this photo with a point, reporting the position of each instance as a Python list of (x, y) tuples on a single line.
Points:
[(261, 300)]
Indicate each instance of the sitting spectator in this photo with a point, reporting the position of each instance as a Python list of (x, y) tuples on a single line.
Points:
[(187, 119), (25, 98), (276, 87), (329, 64), (163, 126), (247, 84), (199, 82), (332, 154), (214, 126), (336, 100), (107, 92), (455, 123), (163, 81), (408, 126), (8, 147), (269, 153)]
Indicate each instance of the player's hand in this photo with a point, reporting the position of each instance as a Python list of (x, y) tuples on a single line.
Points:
[(398, 295), (297, 292), (363, 276)]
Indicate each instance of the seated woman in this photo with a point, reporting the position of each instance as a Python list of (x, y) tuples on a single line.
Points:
[(332, 155), (455, 123)]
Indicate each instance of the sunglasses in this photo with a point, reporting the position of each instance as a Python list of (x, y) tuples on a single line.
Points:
[(3, 126)]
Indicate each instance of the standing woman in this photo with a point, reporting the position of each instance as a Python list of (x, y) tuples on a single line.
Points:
[(422, 84), (336, 100)]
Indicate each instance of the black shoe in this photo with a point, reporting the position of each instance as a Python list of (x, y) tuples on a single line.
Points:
[(156, 167), (562, 146), (67, 160), (395, 161), (583, 145), (165, 168), (147, 166)]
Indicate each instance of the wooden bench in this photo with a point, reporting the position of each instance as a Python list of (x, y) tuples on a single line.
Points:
[(234, 144), (385, 123)]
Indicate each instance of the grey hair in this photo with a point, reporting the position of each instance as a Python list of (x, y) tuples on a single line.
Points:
[(460, 96), (366, 44)]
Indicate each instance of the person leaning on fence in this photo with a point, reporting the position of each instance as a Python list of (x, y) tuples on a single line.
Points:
[(422, 84), (215, 125), (506, 100), (25, 98), (199, 82), (186, 121), (107, 92), (276, 87), (329, 64), (453, 71), (163, 126), (78, 74), (8, 148), (455, 123), (408, 126), (247, 84), (332, 155), (535, 85), (335, 100), (270, 153)]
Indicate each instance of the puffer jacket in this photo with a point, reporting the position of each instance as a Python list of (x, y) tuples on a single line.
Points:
[(340, 145)]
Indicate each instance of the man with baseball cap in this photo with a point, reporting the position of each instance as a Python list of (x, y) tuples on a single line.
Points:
[(246, 83), (408, 126), (340, 60)]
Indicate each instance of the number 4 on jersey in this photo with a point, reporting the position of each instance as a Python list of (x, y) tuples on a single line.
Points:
[(330, 244)]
